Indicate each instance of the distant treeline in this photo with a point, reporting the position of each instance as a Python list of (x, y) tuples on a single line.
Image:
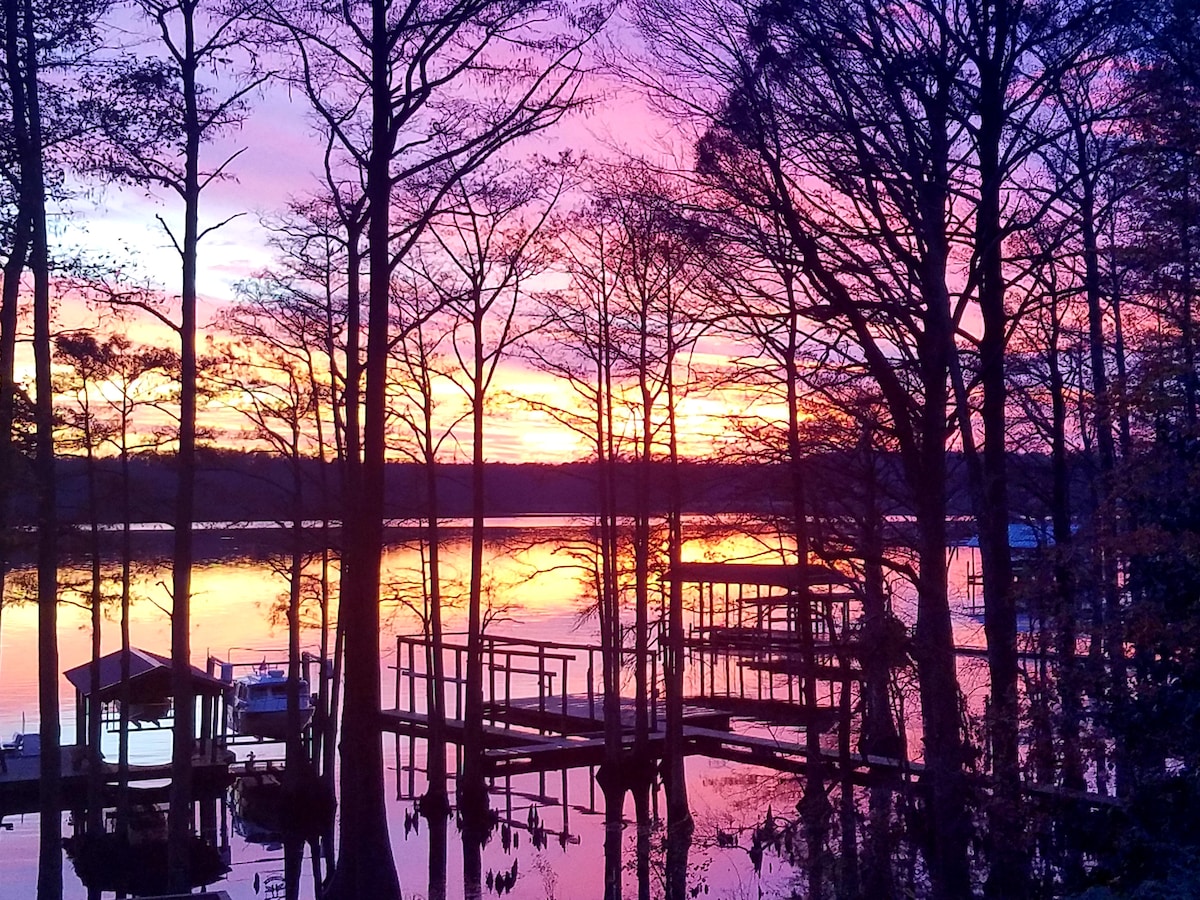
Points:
[(234, 486)]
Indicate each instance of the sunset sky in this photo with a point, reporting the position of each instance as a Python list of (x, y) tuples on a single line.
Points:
[(280, 158)]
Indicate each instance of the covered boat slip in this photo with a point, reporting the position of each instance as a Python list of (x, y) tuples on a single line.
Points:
[(150, 691), (149, 710), (757, 632)]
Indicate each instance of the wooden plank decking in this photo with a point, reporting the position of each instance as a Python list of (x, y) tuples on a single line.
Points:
[(788, 756), (399, 721), (553, 754), (580, 715)]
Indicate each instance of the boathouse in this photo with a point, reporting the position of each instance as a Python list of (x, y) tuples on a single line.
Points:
[(149, 694)]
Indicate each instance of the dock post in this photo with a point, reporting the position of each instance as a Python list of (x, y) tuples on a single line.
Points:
[(458, 684), (591, 684), (399, 656), (563, 688), (541, 676), (82, 711), (206, 732), (654, 692), (412, 675), (491, 666), (507, 684)]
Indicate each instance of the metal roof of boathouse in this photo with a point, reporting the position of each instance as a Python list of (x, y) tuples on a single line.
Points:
[(766, 574), (1023, 536), (149, 677)]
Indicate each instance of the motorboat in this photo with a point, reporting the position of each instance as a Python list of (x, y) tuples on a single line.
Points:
[(259, 707)]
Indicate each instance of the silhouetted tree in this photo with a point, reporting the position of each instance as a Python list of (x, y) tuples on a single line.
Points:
[(181, 111), (419, 353), (578, 346), (80, 394), (301, 307), (400, 91), (491, 243), (863, 102), (32, 39)]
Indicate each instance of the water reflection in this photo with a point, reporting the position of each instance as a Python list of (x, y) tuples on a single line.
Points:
[(128, 855), (553, 834)]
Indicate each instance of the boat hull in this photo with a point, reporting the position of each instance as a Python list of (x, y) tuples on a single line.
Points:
[(272, 724)]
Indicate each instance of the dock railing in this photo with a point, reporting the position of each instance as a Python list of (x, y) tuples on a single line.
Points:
[(561, 677), (514, 669)]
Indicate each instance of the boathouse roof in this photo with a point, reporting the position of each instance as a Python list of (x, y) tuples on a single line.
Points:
[(1023, 536), (767, 574), (149, 677)]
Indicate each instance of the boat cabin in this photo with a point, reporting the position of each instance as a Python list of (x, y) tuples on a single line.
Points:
[(259, 704)]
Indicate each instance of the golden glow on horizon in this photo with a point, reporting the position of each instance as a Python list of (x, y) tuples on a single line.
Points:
[(515, 431)]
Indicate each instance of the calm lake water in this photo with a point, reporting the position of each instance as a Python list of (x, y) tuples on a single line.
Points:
[(533, 579)]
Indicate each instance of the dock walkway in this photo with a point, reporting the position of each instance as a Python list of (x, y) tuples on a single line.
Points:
[(19, 784)]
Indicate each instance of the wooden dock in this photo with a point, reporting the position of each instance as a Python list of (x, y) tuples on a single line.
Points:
[(534, 723), (760, 750), (527, 735), (555, 754), (19, 785), (403, 722), (580, 714)]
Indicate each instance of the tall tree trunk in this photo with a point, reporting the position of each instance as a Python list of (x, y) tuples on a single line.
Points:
[(1125, 429), (680, 825), (349, 442), (180, 815), (879, 734), (33, 198), (126, 693), (1007, 875), (933, 649), (9, 303), (1066, 619), (610, 778), (14, 268), (472, 790), (365, 867), (933, 642), (95, 787), (50, 856), (815, 812), (640, 769), (1105, 562), (296, 766), (298, 776), (323, 730), (435, 804)]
